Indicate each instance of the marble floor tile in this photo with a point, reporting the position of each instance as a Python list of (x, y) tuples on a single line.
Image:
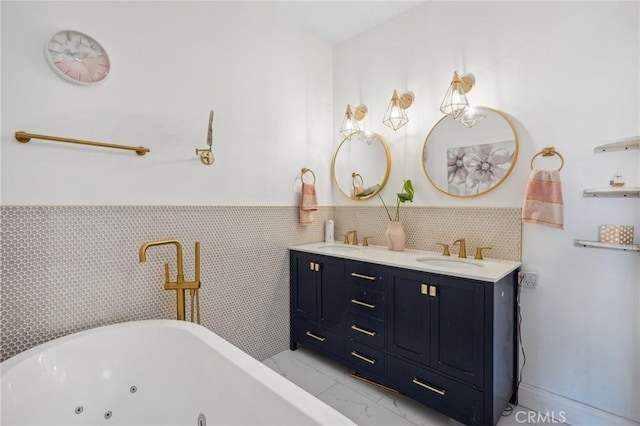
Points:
[(301, 371), (415, 412), (363, 403), (362, 410)]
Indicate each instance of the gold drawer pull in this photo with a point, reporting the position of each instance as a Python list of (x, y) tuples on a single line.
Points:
[(432, 389), (362, 330), (318, 338), (364, 358), (366, 305), (364, 277)]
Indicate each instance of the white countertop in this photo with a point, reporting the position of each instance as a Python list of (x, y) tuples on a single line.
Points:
[(491, 270)]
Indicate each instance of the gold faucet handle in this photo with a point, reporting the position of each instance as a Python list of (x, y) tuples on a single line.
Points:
[(365, 241), (445, 249), (479, 252), (346, 238)]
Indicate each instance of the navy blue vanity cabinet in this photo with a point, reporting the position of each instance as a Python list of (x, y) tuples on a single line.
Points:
[(445, 341), (451, 343), (317, 302), (437, 321)]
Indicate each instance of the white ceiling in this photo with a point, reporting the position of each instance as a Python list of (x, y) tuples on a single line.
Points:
[(338, 21)]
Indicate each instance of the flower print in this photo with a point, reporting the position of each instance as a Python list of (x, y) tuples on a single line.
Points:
[(486, 166), (456, 169)]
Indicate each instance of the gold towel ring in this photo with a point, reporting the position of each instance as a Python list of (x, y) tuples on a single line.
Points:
[(354, 176), (305, 170), (548, 152)]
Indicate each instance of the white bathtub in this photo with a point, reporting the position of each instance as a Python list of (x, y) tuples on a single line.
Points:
[(158, 372)]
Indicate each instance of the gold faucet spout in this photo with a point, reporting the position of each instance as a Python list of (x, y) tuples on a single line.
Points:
[(145, 246), (463, 249)]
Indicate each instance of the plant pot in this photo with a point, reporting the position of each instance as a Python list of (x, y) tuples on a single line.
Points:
[(395, 236)]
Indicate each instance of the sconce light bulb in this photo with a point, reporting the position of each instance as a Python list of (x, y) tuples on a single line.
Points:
[(455, 100), (396, 117), (349, 124)]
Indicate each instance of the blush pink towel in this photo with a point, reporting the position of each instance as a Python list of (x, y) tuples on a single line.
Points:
[(543, 199), (308, 203)]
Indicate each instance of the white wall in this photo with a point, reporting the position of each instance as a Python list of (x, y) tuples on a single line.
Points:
[(171, 62), (567, 75)]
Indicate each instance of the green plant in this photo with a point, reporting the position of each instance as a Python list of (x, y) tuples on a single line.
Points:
[(402, 197)]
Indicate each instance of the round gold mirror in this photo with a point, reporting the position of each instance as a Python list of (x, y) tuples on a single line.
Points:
[(361, 161), (464, 161)]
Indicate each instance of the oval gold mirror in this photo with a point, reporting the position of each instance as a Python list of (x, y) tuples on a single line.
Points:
[(464, 161), (361, 161)]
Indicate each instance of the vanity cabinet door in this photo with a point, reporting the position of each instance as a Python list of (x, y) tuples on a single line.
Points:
[(304, 285), (437, 321), (408, 312), (317, 289), (457, 327), (331, 293)]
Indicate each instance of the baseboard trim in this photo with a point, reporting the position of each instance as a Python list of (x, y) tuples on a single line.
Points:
[(573, 412)]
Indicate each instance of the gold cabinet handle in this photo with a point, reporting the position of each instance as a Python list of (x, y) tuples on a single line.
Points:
[(317, 267), (318, 338), (362, 330), (364, 358), (364, 277), (366, 305), (431, 388), (311, 265)]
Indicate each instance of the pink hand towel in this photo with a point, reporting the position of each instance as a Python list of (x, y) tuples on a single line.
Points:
[(308, 203), (543, 199)]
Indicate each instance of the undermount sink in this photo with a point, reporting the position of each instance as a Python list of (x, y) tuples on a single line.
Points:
[(449, 263), (339, 247)]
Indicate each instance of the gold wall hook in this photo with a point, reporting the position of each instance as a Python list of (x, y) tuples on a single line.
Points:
[(206, 155)]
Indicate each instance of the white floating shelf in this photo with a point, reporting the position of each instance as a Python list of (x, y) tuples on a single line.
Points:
[(620, 145), (597, 244), (624, 192)]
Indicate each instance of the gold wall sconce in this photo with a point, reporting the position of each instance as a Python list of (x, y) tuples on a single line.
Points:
[(396, 117), (206, 155), (455, 102), (351, 117)]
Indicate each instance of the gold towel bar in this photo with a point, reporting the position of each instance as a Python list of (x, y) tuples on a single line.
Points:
[(25, 137), (548, 152), (305, 170)]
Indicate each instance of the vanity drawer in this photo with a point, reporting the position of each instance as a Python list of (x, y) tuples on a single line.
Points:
[(313, 335), (365, 359), (365, 302), (452, 398), (365, 274), (365, 330)]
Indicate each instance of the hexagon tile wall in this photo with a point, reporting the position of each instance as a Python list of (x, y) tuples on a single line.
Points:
[(70, 268)]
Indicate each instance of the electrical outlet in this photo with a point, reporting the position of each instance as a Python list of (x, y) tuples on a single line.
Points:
[(528, 279)]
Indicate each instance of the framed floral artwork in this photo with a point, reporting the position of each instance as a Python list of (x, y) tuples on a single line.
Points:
[(474, 169)]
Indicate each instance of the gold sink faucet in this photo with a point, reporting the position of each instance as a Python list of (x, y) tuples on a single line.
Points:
[(462, 253), (180, 285), (355, 237)]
